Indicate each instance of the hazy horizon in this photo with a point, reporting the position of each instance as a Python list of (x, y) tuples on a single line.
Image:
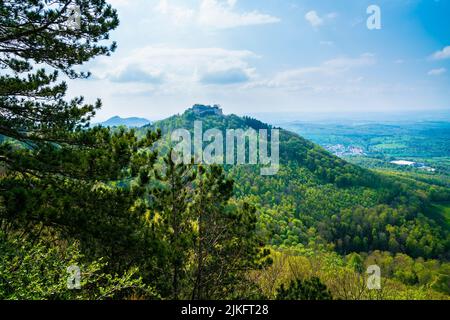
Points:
[(326, 117)]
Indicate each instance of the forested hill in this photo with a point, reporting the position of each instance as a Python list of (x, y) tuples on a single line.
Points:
[(133, 122), (321, 200), (294, 150)]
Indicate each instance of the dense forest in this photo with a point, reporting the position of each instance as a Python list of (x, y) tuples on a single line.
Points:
[(112, 203), (316, 195)]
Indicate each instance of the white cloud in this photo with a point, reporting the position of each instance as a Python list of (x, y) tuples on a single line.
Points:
[(213, 13), (231, 3), (217, 14), (137, 75), (230, 76), (177, 14), (179, 68), (332, 15), (442, 54), (331, 75), (316, 21), (437, 72), (313, 18), (365, 59)]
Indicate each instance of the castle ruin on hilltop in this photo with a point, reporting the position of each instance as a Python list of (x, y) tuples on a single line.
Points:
[(203, 110)]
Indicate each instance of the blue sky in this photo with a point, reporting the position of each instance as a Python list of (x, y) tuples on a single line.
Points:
[(254, 56)]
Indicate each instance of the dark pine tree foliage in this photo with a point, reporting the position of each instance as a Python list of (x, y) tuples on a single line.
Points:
[(308, 289)]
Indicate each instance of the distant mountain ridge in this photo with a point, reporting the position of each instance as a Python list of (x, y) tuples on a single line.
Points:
[(133, 122)]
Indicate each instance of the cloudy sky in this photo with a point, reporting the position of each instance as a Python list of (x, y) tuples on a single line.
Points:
[(254, 56)]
